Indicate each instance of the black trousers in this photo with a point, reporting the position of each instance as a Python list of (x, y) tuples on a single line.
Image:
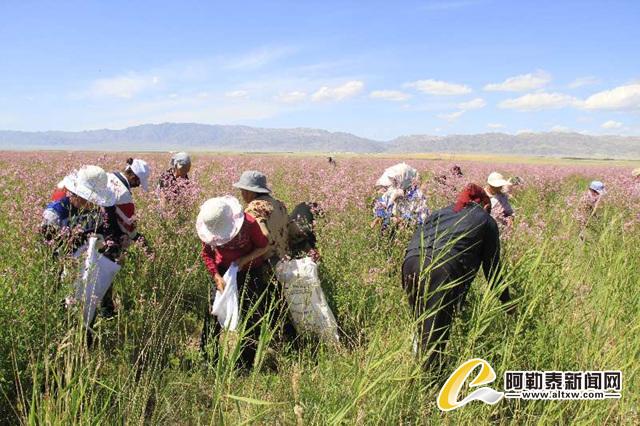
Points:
[(434, 299), (261, 299)]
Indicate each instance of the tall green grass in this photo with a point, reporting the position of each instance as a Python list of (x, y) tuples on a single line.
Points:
[(578, 308)]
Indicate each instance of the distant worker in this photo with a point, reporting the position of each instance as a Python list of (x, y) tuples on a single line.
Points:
[(497, 189), (175, 179), (451, 180), (588, 205)]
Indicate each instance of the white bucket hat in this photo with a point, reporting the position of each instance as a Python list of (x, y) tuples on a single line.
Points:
[(219, 220), (141, 169), (496, 180), (90, 183)]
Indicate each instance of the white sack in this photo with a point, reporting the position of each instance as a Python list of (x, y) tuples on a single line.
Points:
[(307, 303), (96, 275), (225, 304)]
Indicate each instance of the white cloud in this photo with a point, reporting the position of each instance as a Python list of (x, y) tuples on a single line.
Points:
[(237, 94), (495, 126), (583, 81), (437, 87), (476, 103), (611, 124), (452, 116), (539, 101), (257, 58), (291, 97), (125, 87), (619, 98), (389, 95), (521, 83), (561, 129), (338, 93), (524, 131)]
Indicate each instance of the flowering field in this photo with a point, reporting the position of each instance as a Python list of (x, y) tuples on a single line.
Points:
[(578, 305)]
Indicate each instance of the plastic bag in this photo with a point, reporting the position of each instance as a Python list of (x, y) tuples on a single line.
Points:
[(96, 275), (307, 303), (225, 304)]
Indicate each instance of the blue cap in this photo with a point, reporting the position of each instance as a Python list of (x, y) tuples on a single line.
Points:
[(597, 186)]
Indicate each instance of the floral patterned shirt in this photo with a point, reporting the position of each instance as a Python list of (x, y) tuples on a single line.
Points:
[(411, 206), (501, 209), (273, 214)]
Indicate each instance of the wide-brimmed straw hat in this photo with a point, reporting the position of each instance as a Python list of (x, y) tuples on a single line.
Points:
[(219, 220), (254, 181), (90, 183), (496, 180)]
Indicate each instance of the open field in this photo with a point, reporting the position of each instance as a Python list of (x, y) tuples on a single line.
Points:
[(578, 303)]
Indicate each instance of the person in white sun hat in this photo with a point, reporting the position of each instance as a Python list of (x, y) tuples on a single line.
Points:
[(229, 235), (84, 217), (80, 209), (135, 174), (497, 188)]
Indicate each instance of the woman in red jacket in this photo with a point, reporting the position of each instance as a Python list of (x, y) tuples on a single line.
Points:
[(231, 236)]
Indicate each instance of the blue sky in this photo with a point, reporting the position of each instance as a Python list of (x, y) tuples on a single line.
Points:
[(379, 69)]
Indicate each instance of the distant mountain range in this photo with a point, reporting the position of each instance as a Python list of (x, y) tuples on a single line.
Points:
[(203, 137)]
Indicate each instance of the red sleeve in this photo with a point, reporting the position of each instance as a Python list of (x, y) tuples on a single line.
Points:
[(126, 213), (209, 258), (58, 194), (258, 239)]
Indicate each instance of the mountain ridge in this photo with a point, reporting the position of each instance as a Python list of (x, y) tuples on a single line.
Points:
[(241, 138)]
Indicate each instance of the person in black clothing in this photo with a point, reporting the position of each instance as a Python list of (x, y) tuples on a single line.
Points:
[(442, 260)]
